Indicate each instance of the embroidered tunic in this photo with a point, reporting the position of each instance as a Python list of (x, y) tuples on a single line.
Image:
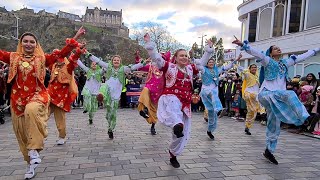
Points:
[(59, 87), (276, 73), (28, 81), (115, 77), (182, 86), (93, 82), (155, 82)]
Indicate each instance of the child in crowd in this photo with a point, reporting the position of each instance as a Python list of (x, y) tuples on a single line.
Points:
[(195, 98), (306, 97), (236, 104)]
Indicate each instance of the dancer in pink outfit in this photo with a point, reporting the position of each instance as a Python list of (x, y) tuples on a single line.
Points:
[(148, 100)]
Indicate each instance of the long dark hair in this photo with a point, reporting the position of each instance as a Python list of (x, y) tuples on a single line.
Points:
[(250, 66), (314, 79)]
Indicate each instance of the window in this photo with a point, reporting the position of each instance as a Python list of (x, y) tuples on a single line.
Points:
[(252, 26), (243, 29), (242, 64), (278, 20), (265, 23), (251, 61), (313, 13), (295, 13)]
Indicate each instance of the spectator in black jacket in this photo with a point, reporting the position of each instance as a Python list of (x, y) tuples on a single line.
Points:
[(81, 82)]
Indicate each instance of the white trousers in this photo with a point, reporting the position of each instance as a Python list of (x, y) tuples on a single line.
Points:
[(169, 113)]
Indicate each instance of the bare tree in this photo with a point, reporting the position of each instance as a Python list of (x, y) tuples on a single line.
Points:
[(159, 34)]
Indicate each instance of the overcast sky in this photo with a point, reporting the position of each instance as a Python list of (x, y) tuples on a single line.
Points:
[(186, 19)]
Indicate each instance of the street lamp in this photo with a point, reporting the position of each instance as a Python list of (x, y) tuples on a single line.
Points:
[(17, 25), (217, 51), (202, 43)]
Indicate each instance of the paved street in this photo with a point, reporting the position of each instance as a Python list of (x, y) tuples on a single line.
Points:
[(135, 154)]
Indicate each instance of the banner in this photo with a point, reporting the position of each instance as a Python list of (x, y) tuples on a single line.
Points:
[(229, 54)]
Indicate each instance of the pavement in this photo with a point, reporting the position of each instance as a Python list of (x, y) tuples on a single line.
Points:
[(136, 154)]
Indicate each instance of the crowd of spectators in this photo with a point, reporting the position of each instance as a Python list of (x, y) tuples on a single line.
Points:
[(230, 92)]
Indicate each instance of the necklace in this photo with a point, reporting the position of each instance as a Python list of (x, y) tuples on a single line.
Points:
[(26, 60), (184, 71), (114, 72), (212, 74)]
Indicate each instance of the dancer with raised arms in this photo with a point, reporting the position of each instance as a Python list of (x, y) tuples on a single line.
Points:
[(174, 105), (29, 98), (281, 105), (110, 91)]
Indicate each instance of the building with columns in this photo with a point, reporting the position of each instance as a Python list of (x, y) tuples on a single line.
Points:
[(103, 16), (292, 25), (111, 20)]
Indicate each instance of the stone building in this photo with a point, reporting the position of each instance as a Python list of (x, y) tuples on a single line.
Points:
[(111, 20), (72, 17), (101, 16), (45, 13), (3, 10)]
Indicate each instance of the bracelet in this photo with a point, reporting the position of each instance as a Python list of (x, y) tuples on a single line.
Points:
[(315, 52), (87, 55), (143, 62), (245, 46)]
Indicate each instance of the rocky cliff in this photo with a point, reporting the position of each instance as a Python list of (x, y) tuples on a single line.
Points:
[(52, 32)]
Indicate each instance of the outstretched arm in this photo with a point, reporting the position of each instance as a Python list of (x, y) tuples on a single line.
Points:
[(154, 55), (137, 66), (302, 57), (5, 56), (64, 52), (97, 60), (230, 65), (226, 67), (252, 51), (71, 43), (82, 66), (207, 54), (73, 59)]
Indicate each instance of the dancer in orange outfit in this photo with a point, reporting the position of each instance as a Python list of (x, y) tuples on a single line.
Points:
[(29, 98), (63, 90)]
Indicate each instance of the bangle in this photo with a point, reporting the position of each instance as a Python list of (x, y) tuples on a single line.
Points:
[(143, 62), (88, 55)]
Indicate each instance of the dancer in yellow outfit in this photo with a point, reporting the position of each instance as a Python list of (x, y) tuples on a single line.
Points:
[(250, 90)]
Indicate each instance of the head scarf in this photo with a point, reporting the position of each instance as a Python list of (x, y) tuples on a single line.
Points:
[(37, 51)]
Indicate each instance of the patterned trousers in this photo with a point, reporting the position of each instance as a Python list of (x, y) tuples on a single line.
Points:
[(253, 107), (111, 116), (212, 103), (281, 106), (90, 102)]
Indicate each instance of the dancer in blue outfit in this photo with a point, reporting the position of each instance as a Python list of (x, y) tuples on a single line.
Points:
[(281, 105), (209, 90)]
